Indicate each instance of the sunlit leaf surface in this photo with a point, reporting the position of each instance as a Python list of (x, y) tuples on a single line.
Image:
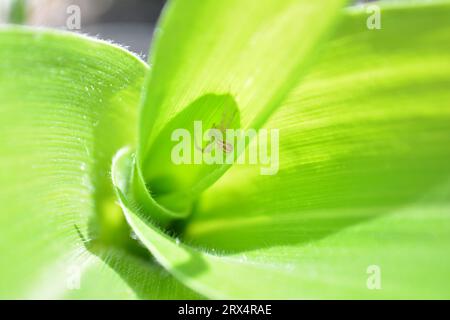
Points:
[(363, 181), (68, 103), (228, 63)]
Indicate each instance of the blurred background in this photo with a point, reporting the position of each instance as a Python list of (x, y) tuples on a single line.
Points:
[(127, 22)]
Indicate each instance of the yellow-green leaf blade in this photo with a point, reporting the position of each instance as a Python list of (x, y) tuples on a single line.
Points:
[(363, 178), (68, 103), (249, 52)]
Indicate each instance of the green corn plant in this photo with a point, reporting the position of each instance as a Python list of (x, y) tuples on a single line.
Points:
[(92, 205)]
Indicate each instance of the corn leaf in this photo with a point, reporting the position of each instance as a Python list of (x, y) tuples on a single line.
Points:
[(68, 103), (363, 181), (221, 62)]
